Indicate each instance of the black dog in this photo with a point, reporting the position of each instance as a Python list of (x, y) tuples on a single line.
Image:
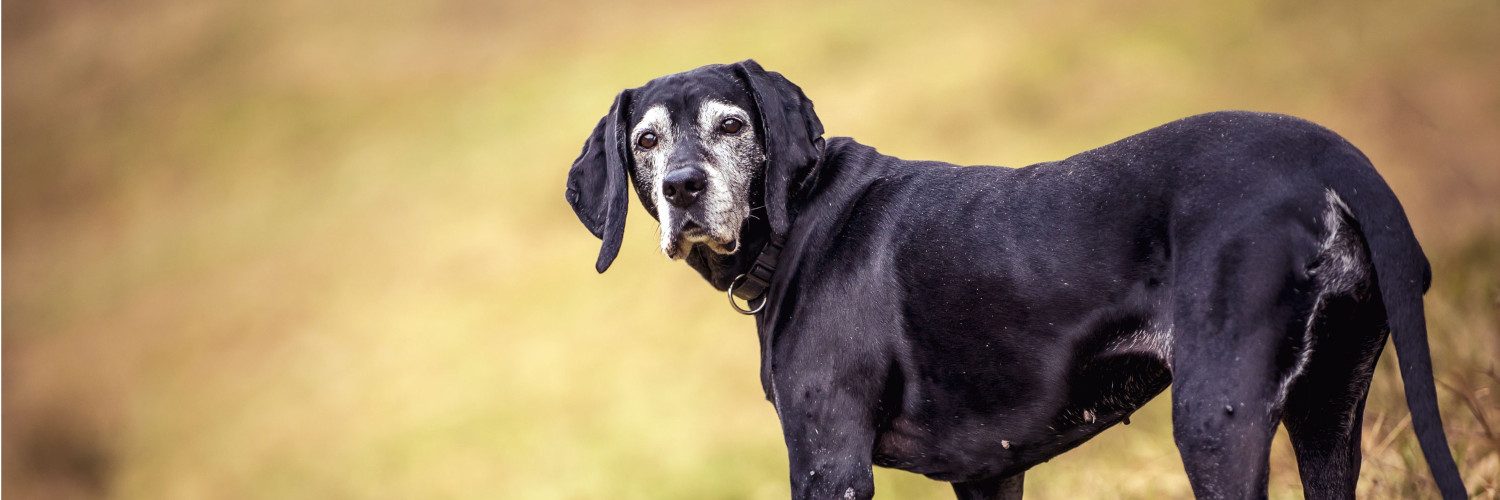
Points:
[(970, 323)]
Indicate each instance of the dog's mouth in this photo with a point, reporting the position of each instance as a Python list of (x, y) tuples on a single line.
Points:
[(678, 243)]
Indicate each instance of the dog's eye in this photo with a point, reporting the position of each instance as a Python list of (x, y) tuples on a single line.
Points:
[(647, 141), (730, 125)]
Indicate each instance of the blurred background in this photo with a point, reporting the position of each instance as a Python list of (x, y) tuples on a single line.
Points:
[(289, 249)]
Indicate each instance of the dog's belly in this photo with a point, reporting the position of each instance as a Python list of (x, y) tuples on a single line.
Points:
[(953, 442)]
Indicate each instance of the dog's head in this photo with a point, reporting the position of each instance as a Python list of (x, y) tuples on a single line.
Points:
[(715, 155)]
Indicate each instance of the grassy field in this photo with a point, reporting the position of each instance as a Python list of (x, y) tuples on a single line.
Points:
[(289, 249)]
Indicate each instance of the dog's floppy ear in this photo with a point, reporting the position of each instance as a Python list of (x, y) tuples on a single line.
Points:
[(597, 182), (793, 138)]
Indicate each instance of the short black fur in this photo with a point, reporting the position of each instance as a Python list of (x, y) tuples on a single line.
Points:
[(971, 323)]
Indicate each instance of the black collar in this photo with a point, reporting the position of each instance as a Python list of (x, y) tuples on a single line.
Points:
[(753, 284)]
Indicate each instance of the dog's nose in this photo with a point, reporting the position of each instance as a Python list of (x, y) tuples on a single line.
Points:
[(682, 186)]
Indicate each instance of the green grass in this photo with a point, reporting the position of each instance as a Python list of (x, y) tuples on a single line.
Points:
[(319, 250)]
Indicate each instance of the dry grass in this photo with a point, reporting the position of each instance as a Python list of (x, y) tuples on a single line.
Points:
[(294, 249)]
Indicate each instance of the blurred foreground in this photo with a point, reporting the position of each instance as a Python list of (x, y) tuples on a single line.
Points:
[(319, 250)]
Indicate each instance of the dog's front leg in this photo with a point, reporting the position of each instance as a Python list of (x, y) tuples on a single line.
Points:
[(827, 418)]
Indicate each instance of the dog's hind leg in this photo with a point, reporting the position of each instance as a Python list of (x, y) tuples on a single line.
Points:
[(997, 488), (1345, 332), (1239, 314), (1325, 406)]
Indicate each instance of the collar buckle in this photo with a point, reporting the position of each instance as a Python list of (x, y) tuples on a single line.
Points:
[(753, 284)]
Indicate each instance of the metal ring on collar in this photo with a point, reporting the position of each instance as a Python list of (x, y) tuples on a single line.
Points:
[(736, 282)]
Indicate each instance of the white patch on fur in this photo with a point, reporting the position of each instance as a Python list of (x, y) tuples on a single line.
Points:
[(729, 161), (1340, 269), (652, 163), (1154, 339), (1343, 267)]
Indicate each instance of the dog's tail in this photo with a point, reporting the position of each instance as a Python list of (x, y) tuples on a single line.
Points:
[(1403, 274)]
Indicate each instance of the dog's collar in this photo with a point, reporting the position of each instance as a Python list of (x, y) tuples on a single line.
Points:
[(753, 284)]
